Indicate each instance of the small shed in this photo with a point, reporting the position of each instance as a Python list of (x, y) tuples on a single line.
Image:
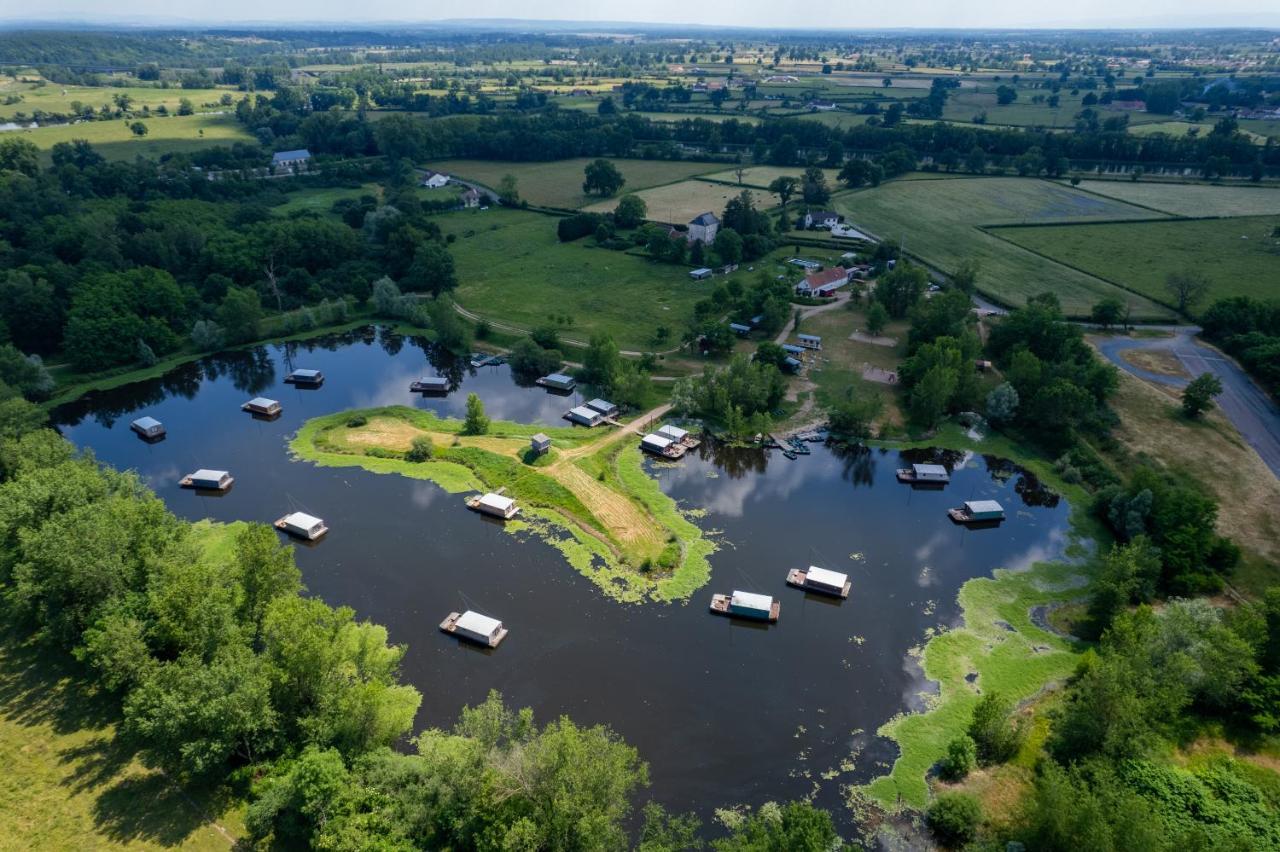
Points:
[(558, 381), (984, 510), (478, 628), (673, 433), (791, 364), (826, 580), (304, 377), (540, 443), (260, 405), (792, 349), (656, 444), (148, 427), (208, 480), (700, 274), (584, 416), (810, 341), (750, 604), (930, 473), (739, 329), (608, 409), (302, 525)]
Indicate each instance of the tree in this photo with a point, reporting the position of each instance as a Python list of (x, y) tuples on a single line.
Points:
[(630, 212), (962, 756), (1110, 311), (1006, 95), (795, 827), (1002, 404), (877, 318), (965, 278), (508, 191), (19, 155), (976, 160), (814, 186), (953, 818), (207, 336), (1187, 288), (476, 423), (1197, 396), (932, 394), (728, 246), (185, 107), (853, 416), (602, 178), (449, 331), (138, 129), (240, 314), (420, 449), (432, 270), (900, 289), (784, 187), (993, 732), (601, 363), (785, 151)]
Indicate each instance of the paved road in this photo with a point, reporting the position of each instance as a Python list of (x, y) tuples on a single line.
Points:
[(1245, 404)]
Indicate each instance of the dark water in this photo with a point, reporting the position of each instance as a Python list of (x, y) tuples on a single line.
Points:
[(725, 712)]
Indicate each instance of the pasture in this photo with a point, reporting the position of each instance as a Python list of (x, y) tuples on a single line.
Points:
[(511, 268), (1181, 199), (559, 183), (1238, 256), (939, 221), (677, 203), (762, 176), (115, 141), (55, 98)]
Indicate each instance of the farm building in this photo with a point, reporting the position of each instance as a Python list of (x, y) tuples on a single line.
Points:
[(540, 444), (810, 341), (295, 161), (207, 480), (821, 106), (434, 180), (304, 378), (262, 407), (558, 381), (302, 525), (148, 427), (739, 329), (493, 504), (584, 416), (703, 228), (825, 219), (823, 283), (471, 198), (608, 409), (700, 274)]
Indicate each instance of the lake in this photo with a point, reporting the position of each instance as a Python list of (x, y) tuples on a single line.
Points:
[(726, 712)]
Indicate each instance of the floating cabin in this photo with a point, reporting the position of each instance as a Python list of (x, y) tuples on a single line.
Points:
[(608, 409), (540, 444), (810, 341), (746, 605), (821, 580), (924, 474), (494, 505), (739, 329), (584, 416), (207, 480), (148, 428), (474, 627), (262, 407), (662, 447), (978, 512), (302, 525), (558, 382), (701, 274), (430, 384), (305, 378), (678, 436)]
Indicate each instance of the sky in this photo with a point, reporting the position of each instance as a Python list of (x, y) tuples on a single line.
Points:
[(750, 13)]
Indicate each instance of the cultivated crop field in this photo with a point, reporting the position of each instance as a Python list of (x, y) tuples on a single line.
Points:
[(677, 203), (939, 221), (559, 183), (1191, 199), (512, 268), (1238, 256), (115, 141), (762, 176)]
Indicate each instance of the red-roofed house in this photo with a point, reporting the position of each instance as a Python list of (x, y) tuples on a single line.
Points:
[(824, 283)]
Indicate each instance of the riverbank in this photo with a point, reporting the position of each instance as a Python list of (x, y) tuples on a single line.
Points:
[(590, 497)]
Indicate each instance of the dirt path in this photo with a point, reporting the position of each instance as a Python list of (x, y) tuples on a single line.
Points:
[(841, 298), (644, 421)]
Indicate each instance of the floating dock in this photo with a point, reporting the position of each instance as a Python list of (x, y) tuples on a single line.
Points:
[(474, 627), (430, 384), (662, 447), (260, 406)]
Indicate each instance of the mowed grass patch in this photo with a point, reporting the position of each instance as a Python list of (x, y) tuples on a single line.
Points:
[(1186, 199), (559, 183), (762, 176), (115, 141), (939, 221), (321, 199), (677, 203), (512, 268), (1239, 257)]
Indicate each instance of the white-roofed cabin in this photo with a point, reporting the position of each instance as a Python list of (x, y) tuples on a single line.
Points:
[(660, 446), (494, 505), (474, 627), (260, 406), (305, 378), (148, 428), (430, 384), (584, 416), (924, 474), (746, 605), (302, 525), (822, 580), (207, 480), (978, 512)]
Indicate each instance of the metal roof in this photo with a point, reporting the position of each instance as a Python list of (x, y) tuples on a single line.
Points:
[(306, 374), (584, 412), (737, 326), (210, 475), (497, 501), (825, 577), (301, 520), (601, 405), (262, 402), (929, 470), (675, 433), (558, 377), (441, 381), (289, 156), (540, 439), (791, 347), (751, 600), (146, 423), (707, 218), (481, 625), (808, 337), (657, 441), (981, 507)]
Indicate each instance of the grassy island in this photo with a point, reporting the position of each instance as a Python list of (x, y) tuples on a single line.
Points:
[(589, 496)]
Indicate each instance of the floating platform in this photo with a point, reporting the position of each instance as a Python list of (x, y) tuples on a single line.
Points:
[(474, 627), (480, 359), (302, 525), (260, 406), (437, 385), (662, 447), (207, 480), (800, 579), (976, 513), (494, 505), (924, 474), (305, 378), (746, 605), (148, 428)]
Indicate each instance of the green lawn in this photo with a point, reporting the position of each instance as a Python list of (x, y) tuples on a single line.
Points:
[(762, 176), (1185, 199), (512, 268), (57, 98), (115, 141), (559, 183), (939, 221), (1238, 256)]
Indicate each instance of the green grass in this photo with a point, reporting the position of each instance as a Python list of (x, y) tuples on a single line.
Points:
[(1238, 256), (938, 221), (559, 183), (677, 203), (321, 199), (511, 267), (57, 98), (115, 141), (1181, 199), (762, 176)]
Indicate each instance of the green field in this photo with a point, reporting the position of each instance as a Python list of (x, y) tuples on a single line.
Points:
[(938, 221), (512, 268), (1191, 199), (677, 203), (115, 141), (56, 98), (1238, 256), (762, 176), (559, 183), (321, 199)]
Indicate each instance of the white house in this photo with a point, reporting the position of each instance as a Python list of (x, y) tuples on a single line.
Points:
[(821, 219), (294, 161), (703, 228), (470, 198), (434, 180), (823, 284)]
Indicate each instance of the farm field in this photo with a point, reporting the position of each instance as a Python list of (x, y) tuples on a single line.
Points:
[(57, 98), (512, 268), (1261, 127), (1140, 255), (762, 176), (115, 141), (939, 221), (677, 203), (559, 183), (1191, 199)]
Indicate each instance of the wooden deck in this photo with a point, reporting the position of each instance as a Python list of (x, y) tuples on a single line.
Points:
[(450, 626), (799, 578)]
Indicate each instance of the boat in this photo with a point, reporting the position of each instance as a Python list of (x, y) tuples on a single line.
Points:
[(746, 605), (977, 513), (207, 480), (790, 454), (430, 384), (302, 525), (148, 428), (305, 378), (820, 580), (924, 474), (474, 627), (494, 505), (260, 406)]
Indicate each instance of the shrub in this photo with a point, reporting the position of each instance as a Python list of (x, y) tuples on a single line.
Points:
[(356, 420), (420, 450), (996, 736), (953, 818), (962, 756)]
